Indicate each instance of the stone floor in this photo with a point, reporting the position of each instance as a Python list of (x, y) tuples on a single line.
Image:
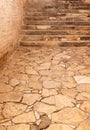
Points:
[(46, 89)]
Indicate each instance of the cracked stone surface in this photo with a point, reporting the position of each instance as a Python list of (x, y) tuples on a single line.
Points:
[(46, 89)]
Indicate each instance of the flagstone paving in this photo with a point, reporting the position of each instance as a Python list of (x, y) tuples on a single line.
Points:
[(46, 89)]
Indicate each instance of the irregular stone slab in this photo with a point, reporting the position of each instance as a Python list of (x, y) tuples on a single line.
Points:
[(83, 88), (45, 122), (85, 125), (25, 118), (11, 97), (49, 84), (22, 76), (1, 107), (71, 116), (4, 88), (69, 92), (1, 118), (82, 79), (14, 82), (85, 70), (31, 71), (2, 128), (49, 100), (48, 92), (86, 106), (13, 109), (29, 99), (45, 72), (83, 96), (69, 83), (44, 66), (62, 55), (44, 108), (87, 1), (35, 85), (34, 127), (4, 79), (64, 101), (34, 78), (19, 127), (59, 127), (5, 122)]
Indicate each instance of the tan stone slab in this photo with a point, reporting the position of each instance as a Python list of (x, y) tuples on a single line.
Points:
[(69, 92), (84, 87), (11, 97), (31, 71), (1, 118), (81, 79), (87, 1), (44, 108), (85, 106), (44, 66), (71, 116), (28, 117), (50, 84), (83, 96), (49, 100), (13, 109), (59, 127), (29, 99), (4, 88), (1, 107), (2, 128), (34, 127), (14, 82), (19, 127), (35, 85), (64, 101), (85, 125), (85, 71), (48, 92), (69, 83)]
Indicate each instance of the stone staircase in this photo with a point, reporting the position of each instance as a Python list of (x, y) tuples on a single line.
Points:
[(59, 23)]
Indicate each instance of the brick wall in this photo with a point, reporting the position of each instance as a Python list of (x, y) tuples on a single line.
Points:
[(10, 22)]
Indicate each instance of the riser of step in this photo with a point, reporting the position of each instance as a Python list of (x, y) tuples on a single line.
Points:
[(66, 15), (59, 23), (53, 13), (60, 4), (55, 32), (58, 7), (63, 19), (54, 27), (54, 43), (55, 37)]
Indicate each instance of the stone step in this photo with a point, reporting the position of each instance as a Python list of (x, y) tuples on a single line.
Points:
[(55, 32), (55, 12), (39, 43), (78, 44), (55, 43), (54, 37), (59, 23), (54, 27), (47, 13), (61, 5), (61, 18), (59, 14)]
